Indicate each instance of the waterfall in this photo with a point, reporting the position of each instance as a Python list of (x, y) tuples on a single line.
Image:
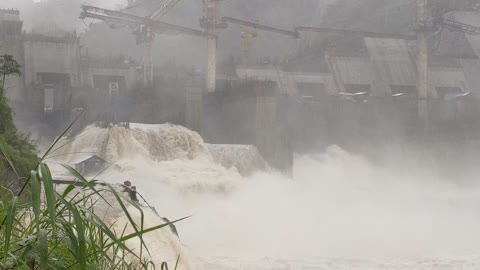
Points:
[(339, 211)]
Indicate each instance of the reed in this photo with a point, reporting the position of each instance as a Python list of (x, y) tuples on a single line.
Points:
[(41, 228), (48, 229)]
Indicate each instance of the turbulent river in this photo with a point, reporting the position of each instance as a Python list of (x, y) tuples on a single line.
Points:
[(338, 212)]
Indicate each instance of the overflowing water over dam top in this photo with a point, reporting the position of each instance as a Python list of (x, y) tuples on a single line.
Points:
[(338, 211)]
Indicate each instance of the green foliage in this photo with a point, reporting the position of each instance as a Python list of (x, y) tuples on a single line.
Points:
[(61, 230), (8, 66), (22, 154)]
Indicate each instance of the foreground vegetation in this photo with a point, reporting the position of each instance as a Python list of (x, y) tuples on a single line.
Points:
[(22, 154), (62, 231), (41, 228)]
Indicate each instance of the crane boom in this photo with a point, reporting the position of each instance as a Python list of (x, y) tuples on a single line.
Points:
[(110, 15), (260, 26), (458, 26), (132, 23), (180, 29), (144, 29), (166, 6)]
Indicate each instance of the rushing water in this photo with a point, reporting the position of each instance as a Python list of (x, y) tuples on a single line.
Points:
[(338, 212)]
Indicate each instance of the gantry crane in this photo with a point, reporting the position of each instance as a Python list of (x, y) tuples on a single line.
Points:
[(299, 29), (249, 32), (437, 25), (144, 28), (456, 26)]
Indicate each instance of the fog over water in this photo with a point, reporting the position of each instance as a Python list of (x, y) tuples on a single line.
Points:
[(384, 175), (338, 211)]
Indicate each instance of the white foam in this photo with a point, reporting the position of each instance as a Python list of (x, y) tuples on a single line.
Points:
[(339, 211)]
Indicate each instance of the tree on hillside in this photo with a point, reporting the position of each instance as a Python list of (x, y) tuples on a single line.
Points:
[(9, 66), (17, 155)]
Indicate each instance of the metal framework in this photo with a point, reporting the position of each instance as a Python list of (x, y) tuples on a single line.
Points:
[(249, 32), (458, 26), (136, 21), (351, 32), (164, 9), (258, 26), (144, 28)]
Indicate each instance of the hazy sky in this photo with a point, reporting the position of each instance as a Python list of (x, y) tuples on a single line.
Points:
[(64, 12), (19, 4), (52, 15)]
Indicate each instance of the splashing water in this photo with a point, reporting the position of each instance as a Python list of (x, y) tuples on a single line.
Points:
[(338, 212), (246, 158), (157, 143)]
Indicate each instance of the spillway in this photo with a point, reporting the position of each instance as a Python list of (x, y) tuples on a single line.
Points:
[(339, 211)]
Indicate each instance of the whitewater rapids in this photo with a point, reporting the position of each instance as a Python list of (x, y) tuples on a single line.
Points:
[(338, 212)]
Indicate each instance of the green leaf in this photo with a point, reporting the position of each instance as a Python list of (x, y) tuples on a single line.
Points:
[(105, 229), (12, 211), (35, 185), (79, 237), (9, 161), (130, 219), (145, 231), (68, 190), (88, 184), (176, 263), (72, 239), (43, 250), (49, 193)]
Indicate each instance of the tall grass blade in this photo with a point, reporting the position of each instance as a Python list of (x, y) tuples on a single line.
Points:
[(89, 184), (10, 218), (9, 161), (145, 231), (61, 136), (43, 158), (43, 246), (35, 186), (68, 190), (49, 193), (78, 238), (105, 229), (47, 153), (130, 219), (176, 263), (92, 242), (72, 243), (82, 247)]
